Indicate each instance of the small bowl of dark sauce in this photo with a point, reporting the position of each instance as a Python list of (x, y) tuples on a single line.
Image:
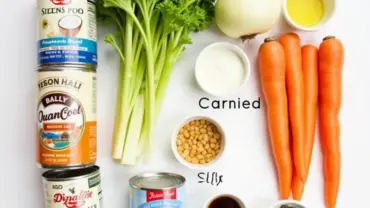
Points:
[(224, 201)]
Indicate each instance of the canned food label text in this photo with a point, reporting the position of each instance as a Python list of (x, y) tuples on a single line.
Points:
[(67, 31), (67, 118), (82, 193), (172, 198)]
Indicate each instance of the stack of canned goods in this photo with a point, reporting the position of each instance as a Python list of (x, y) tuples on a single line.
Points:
[(66, 109)]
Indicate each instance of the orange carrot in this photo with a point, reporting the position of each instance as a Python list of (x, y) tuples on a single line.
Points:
[(272, 73), (310, 80), (331, 59), (294, 82)]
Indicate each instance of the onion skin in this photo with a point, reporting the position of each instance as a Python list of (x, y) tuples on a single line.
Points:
[(247, 18)]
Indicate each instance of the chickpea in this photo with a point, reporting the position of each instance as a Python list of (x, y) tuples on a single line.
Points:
[(203, 131), (210, 133), (217, 136), (217, 147), (206, 137), (214, 141), (202, 122), (206, 146), (180, 149), (178, 142), (192, 154), (200, 157), (193, 151), (204, 152), (186, 134), (186, 146), (194, 147), (202, 161), (195, 160), (213, 145), (186, 152)]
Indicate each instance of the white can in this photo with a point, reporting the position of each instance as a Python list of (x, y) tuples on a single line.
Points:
[(73, 188), (67, 32)]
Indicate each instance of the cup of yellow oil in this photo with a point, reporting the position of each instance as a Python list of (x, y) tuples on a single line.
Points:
[(308, 15)]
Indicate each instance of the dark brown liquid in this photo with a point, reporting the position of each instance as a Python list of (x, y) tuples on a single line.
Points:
[(224, 202)]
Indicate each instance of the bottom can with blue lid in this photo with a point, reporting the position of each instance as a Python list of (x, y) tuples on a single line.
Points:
[(157, 190)]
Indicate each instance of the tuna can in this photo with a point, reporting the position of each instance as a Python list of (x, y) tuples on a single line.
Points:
[(73, 188), (67, 32), (66, 116), (160, 190)]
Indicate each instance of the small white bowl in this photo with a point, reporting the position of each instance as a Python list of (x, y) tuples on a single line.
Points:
[(232, 47), (330, 8), (289, 202), (240, 202), (198, 166)]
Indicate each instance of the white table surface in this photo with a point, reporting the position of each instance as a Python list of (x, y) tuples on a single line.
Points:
[(247, 165)]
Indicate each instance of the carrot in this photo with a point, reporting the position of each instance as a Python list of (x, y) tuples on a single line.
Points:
[(331, 59), (310, 80), (294, 81), (272, 74)]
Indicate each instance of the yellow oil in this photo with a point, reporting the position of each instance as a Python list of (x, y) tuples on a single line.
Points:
[(307, 13)]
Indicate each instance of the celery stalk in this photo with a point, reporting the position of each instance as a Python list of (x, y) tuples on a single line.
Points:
[(134, 131), (120, 134)]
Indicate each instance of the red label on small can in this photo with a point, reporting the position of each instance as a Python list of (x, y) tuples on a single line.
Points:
[(161, 195)]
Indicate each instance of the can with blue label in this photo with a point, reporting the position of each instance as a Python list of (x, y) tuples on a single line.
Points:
[(157, 190), (67, 32)]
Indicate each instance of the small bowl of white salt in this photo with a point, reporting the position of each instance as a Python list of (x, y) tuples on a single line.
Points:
[(222, 69)]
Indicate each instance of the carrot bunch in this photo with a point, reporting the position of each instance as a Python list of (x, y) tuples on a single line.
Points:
[(294, 81)]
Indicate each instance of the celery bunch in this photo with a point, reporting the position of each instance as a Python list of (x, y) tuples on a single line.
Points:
[(151, 36)]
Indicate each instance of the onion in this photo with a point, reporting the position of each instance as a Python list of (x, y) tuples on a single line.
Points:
[(246, 18)]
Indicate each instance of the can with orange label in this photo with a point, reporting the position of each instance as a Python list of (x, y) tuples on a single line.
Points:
[(66, 116)]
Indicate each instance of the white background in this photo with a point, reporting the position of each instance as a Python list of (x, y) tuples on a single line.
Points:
[(247, 165)]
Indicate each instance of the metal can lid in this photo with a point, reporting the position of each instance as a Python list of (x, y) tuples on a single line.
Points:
[(157, 181), (70, 173)]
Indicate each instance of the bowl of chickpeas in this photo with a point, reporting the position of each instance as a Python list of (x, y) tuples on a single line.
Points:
[(198, 142)]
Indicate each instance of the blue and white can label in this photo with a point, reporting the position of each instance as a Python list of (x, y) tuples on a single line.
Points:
[(171, 198), (67, 32)]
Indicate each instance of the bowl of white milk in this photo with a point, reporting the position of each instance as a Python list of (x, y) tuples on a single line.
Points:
[(221, 69)]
